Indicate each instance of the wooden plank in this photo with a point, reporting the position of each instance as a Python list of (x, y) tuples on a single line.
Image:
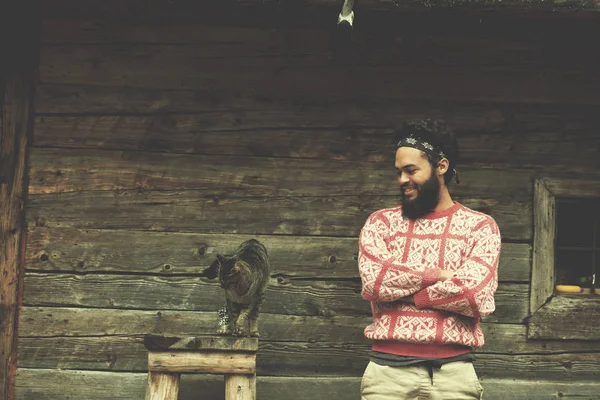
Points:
[(65, 170), (562, 187), (58, 170), (375, 44), (162, 386), (112, 9), (200, 343), (212, 362), (455, 29), (240, 387), (567, 317), (169, 67), (292, 297), (486, 135), (550, 5), (542, 276), (196, 212), (41, 384), (283, 296), (17, 82), (59, 321), (302, 359), (88, 250)]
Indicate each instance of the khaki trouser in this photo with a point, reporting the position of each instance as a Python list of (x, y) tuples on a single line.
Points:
[(453, 381)]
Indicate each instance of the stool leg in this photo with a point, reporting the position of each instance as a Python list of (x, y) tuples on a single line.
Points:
[(240, 387), (162, 386)]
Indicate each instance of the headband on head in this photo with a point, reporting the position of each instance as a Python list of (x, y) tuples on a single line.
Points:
[(418, 143)]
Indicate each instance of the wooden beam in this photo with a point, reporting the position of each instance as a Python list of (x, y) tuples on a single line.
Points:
[(407, 5), (35, 384), (17, 50), (140, 10)]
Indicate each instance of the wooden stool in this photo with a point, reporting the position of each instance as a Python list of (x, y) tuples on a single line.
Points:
[(168, 357)]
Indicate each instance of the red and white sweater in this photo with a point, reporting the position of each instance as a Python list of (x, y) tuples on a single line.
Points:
[(399, 258)]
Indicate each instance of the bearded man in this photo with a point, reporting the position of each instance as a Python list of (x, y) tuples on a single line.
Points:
[(429, 269)]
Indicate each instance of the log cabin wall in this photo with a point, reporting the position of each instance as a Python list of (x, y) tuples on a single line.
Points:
[(158, 145)]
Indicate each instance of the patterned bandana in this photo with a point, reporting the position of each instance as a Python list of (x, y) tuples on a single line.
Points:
[(417, 143)]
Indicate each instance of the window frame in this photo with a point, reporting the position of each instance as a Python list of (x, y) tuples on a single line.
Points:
[(550, 316)]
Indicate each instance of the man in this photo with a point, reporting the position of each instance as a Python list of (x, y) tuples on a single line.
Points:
[(429, 269)]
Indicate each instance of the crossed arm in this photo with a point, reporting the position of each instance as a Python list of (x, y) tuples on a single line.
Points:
[(468, 290)]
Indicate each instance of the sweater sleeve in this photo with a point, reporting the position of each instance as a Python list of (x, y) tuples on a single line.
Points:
[(384, 278), (471, 290)]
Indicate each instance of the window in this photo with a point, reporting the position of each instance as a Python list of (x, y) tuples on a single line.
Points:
[(565, 257), (577, 257)]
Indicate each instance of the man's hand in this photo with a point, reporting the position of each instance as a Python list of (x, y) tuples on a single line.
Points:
[(445, 274)]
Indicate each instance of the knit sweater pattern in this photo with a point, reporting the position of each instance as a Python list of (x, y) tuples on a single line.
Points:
[(399, 257)]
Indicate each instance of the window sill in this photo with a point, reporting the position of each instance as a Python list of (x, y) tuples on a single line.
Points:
[(567, 316)]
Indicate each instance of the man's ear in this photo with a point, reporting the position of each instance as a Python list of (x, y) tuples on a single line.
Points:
[(443, 166)]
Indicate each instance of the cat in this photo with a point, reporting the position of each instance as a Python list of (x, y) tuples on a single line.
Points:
[(244, 276)]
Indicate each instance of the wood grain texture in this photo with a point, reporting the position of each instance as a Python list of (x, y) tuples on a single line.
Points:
[(177, 67), (488, 136), (240, 387), (283, 296), (206, 361), (162, 386), (47, 322), (204, 212), (302, 359), (542, 276), (41, 384), (88, 250), (567, 318), (17, 82)]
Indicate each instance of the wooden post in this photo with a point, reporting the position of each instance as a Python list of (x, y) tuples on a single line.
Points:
[(240, 387), (18, 52), (162, 386), (234, 357)]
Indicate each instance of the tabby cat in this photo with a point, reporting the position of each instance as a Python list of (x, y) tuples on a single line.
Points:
[(244, 276)]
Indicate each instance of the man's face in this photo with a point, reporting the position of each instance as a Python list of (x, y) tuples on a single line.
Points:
[(420, 187)]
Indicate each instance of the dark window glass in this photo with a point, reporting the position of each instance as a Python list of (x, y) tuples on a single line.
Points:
[(575, 223), (574, 268)]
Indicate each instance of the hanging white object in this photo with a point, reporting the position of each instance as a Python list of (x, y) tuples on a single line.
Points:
[(347, 14)]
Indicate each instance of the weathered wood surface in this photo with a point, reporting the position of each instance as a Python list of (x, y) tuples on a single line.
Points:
[(162, 386), (283, 296), (487, 136), (88, 250), (562, 187), (542, 275), (201, 212), (212, 362), (63, 171), (389, 5), (48, 322), (17, 82), (240, 387), (43, 384), (454, 30), (301, 358), (168, 67), (567, 317), (200, 343)]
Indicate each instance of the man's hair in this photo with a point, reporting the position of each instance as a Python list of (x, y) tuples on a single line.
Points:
[(438, 134)]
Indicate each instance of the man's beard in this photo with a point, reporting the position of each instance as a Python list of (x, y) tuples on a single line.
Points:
[(427, 199)]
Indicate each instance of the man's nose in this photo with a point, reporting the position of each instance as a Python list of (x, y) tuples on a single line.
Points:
[(403, 178)]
